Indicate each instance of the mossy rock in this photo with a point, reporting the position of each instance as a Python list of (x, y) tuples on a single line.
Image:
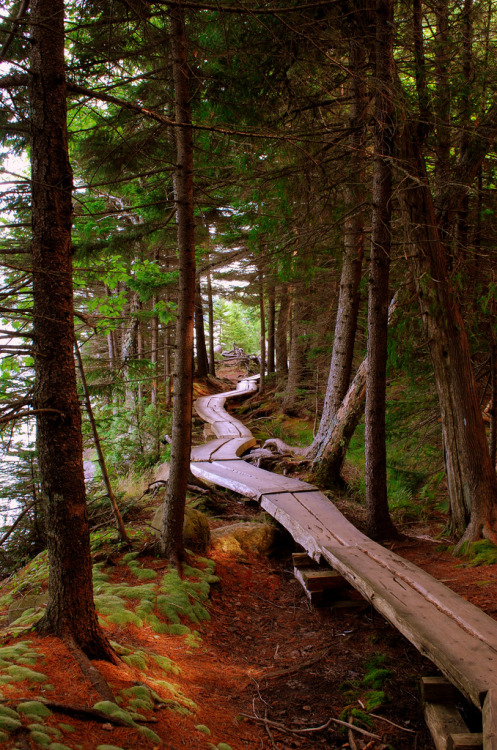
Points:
[(20, 606), (196, 530), (237, 538)]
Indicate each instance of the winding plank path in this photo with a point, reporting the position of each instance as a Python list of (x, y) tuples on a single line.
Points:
[(457, 636)]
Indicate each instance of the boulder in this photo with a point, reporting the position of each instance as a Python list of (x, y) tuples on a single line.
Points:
[(30, 601), (196, 531), (238, 538)]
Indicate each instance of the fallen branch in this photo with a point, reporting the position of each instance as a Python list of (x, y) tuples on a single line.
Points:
[(284, 728), (392, 723), (273, 673)]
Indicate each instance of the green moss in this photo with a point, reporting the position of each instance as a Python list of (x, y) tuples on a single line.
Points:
[(41, 738), (374, 699), (223, 746), (138, 660), (139, 692), (150, 735), (58, 746), (129, 557), (482, 552), (193, 640), (6, 711), (376, 678), (67, 727), (202, 728), (23, 673), (109, 747), (124, 617), (136, 703), (166, 664), (9, 723), (355, 713), (4, 736), (145, 574), (111, 709)]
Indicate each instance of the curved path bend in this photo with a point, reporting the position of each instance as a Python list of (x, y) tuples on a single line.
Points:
[(457, 636)]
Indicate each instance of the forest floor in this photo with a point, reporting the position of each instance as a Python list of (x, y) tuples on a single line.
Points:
[(265, 671)]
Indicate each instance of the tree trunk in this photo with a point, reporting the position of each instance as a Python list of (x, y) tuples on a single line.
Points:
[(262, 315), (70, 612), (171, 542), (271, 311), (282, 333), (296, 361), (212, 359), (154, 342), (470, 475), (348, 300), (202, 360), (379, 524)]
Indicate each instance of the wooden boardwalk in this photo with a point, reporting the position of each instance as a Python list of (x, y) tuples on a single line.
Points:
[(457, 636)]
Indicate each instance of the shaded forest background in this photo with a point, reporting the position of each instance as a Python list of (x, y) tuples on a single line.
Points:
[(342, 157)]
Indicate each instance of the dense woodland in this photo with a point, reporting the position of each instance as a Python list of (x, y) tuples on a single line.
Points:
[(312, 182)]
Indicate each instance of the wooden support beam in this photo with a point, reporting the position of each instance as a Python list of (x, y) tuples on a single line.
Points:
[(444, 721), (438, 690), (490, 721)]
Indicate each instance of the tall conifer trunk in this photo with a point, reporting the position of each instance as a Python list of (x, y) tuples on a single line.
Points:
[(379, 523), (70, 611), (326, 461), (171, 542)]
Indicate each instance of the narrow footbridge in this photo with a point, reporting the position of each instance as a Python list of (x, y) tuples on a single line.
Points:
[(454, 634)]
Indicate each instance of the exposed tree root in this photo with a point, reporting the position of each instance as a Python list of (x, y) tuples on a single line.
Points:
[(90, 671)]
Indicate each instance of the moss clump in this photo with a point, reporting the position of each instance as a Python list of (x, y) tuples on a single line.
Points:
[(166, 664), (109, 747), (34, 708), (374, 699), (223, 746), (58, 746), (23, 673), (9, 723), (111, 709), (202, 728), (138, 659), (139, 693), (482, 552), (6, 711), (150, 735), (124, 617), (41, 738), (4, 737), (67, 727)]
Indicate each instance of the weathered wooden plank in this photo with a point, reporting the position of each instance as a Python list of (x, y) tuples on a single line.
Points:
[(264, 481), (328, 514), (469, 663), (444, 720), (489, 715), (319, 580), (205, 451), (303, 525), (233, 449), (225, 429), (471, 618)]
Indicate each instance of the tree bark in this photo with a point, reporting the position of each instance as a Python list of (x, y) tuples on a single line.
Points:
[(471, 477), (379, 524), (350, 278), (212, 358), (202, 359), (171, 542), (296, 360), (271, 313), (262, 315), (70, 612), (282, 333)]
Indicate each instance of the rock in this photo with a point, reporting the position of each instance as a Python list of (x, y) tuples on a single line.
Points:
[(30, 601), (162, 473), (238, 538), (196, 531)]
